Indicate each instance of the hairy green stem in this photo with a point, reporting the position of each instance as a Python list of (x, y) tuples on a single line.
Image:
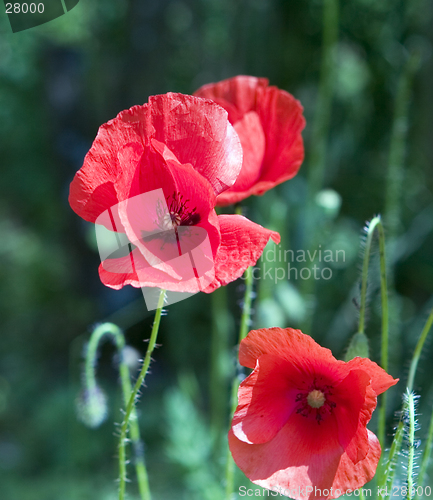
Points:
[(113, 331), (243, 330), (130, 407), (384, 332), (426, 455), (386, 479), (364, 276), (411, 443), (388, 476), (376, 223)]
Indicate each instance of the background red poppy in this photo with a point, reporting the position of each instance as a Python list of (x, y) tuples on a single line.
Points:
[(269, 123)]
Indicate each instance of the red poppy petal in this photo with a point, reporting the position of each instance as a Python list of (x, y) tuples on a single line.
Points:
[(301, 455), (156, 187), (117, 272), (134, 270), (92, 190), (266, 400), (283, 122), (380, 380), (242, 243), (251, 135), (287, 342), (197, 131), (238, 94), (355, 401), (350, 476)]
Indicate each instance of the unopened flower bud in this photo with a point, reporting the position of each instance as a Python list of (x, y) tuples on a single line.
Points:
[(92, 407)]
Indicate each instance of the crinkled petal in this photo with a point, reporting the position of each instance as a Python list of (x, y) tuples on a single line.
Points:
[(252, 137), (238, 94), (355, 401), (242, 243), (134, 270), (300, 456), (380, 380), (267, 466), (350, 476), (266, 400), (286, 342), (283, 121), (198, 132), (195, 130)]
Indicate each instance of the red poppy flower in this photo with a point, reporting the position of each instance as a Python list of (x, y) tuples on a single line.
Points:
[(268, 122), (153, 173), (300, 426)]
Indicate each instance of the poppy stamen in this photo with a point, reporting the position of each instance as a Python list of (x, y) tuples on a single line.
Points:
[(316, 399), (179, 213)]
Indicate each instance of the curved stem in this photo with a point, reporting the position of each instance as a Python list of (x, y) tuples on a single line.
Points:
[(364, 277), (112, 330), (243, 330), (132, 399)]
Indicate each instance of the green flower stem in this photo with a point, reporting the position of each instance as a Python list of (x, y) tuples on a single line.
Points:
[(110, 329), (246, 309), (385, 331), (219, 349), (386, 479), (426, 455), (134, 429), (376, 223), (130, 407), (418, 349), (243, 330), (388, 476), (364, 277), (411, 435)]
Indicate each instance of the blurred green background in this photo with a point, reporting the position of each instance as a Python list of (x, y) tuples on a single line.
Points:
[(59, 82)]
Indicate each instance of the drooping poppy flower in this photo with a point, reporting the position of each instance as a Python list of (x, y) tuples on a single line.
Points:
[(269, 123), (300, 426), (151, 177)]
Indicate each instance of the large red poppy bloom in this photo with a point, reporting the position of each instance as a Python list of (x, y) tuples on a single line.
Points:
[(300, 426), (269, 122), (153, 173)]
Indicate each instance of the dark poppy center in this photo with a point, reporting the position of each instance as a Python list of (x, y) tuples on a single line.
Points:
[(315, 402), (180, 213)]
